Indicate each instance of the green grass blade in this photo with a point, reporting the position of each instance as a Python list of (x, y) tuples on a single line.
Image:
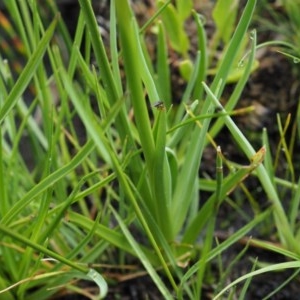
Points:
[(199, 221), (281, 286), (182, 196), (161, 176), (47, 182), (242, 295), (225, 245), (114, 47), (22, 239), (107, 76), (235, 96), (281, 221), (210, 228), (27, 73), (271, 268), (144, 260), (163, 80), (189, 88), (99, 49), (202, 46), (130, 46), (233, 46)]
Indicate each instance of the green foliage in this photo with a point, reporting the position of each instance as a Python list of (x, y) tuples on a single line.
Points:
[(173, 19), (130, 181), (286, 24), (224, 15)]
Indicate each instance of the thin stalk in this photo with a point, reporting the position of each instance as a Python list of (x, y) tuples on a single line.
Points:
[(284, 230), (20, 238)]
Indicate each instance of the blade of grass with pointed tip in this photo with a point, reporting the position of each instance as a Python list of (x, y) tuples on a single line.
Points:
[(161, 177), (235, 96), (182, 195), (284, 230), (22, 239), (232, 239), (271, 268), (174, 27), (130, 46), (47, 182), (202, 46), (27, 72), (233, 47), (109, 83)]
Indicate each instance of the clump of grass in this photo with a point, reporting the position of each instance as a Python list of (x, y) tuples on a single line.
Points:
[(131, 182), (286, 15)]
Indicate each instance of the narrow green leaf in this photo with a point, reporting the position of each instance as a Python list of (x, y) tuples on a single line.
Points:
[(184, 8), (107, 76), (22, 239), (271, 268), (247, 283), (28, 72), (47, 182), (202, 46), (226, 244), (144, 260), (224, 15), (99, 50), (163, 70), (284, 230), (174, 28), (235, 96), (161, 176), (132, 59)]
